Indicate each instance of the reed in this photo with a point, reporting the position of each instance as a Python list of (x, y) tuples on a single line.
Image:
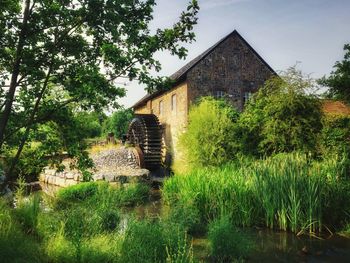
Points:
[(286, 192)]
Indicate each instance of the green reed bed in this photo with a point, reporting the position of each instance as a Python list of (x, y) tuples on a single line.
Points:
[(287, 192), (84, 224)]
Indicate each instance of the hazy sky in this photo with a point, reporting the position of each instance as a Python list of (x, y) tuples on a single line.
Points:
[(312, 32)]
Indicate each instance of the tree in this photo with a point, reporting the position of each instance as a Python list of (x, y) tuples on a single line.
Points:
[(70, 52), (339, 79), (118, 123), (283, 116)]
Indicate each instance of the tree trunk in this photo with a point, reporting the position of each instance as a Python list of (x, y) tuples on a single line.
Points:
[(15, 73), (30, 123)]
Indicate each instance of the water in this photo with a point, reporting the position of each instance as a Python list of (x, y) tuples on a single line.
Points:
[(267, 245)]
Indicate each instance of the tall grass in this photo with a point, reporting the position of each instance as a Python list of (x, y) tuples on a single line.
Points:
[(80, 225), (15, 245), (287, 192), (227, 243)]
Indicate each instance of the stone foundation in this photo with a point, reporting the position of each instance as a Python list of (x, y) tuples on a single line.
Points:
[(117, 165)]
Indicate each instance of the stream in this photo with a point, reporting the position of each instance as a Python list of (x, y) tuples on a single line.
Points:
[(267, 245)]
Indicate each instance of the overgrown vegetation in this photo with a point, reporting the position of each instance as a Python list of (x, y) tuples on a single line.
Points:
[(208, 139), (118, 123), (288, 192), (339, 79), (63, 58), (227, 243), (84, 225), (283, 116)]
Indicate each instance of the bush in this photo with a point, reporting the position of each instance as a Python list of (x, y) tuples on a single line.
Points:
[(335, 137), (118, 123), (208, 140), (282, 117), (227, 243)]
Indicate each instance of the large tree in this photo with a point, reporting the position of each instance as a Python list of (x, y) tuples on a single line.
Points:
[(55, 53), (339, 79)]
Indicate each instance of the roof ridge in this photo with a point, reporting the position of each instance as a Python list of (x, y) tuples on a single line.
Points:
[(180, 75)]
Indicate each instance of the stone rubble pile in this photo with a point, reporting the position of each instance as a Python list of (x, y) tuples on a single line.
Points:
[(112, 165)]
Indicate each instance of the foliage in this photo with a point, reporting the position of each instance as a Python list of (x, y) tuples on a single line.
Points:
[(90, 123), (186, 214), (288, 191), (208, 140), (29, 166), (118, 122), (14, 244), (339, 79), (65, 55), (79, 192), (335, 136), (282, 117), (155, 242), (93, 192), (227, 243)]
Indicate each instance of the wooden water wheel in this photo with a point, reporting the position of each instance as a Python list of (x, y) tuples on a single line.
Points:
[(145, 132)]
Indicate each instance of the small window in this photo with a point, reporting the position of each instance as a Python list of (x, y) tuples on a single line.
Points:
[(161, 107), (247, 96), (173, 102), (219, 94)]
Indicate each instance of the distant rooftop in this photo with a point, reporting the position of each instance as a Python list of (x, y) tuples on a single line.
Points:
[(335, 107)]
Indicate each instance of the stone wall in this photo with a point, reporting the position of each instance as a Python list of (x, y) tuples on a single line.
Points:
[(112, 165), (232, 67), (173, 118)]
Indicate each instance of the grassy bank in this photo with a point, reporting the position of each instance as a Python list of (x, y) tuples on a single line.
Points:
[(84, 224), (286, 192)]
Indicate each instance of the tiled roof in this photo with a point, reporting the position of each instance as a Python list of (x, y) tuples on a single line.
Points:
[(335, 107)]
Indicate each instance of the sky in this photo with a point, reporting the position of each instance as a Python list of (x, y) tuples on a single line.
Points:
[(311, 33)]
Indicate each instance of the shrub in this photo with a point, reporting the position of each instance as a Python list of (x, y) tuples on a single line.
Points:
[(118, 123), (227, 243), (282, 117), (208, 140), (335, 137)]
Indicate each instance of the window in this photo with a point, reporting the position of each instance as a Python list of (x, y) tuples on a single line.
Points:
[(247, 96), (173, 102), (219, 94), (161, 107)]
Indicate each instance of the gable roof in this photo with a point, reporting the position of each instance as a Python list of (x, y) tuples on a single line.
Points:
[(181, 74)]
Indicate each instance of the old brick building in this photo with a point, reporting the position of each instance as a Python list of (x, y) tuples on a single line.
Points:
[(231, 69)]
